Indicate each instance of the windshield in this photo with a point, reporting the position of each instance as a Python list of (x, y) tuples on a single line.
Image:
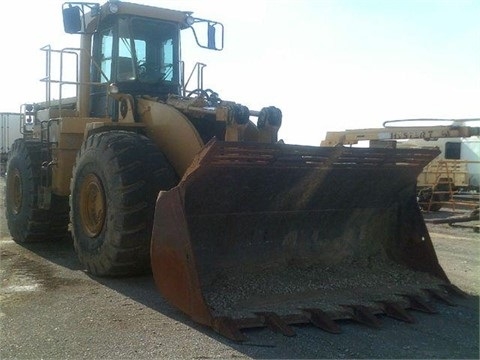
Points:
[(147, 52)]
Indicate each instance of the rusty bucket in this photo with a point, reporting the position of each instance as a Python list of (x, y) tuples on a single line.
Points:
[(274, 235)]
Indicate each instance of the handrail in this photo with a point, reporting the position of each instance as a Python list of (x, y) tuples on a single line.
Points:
[(198, 68), (48, 80)]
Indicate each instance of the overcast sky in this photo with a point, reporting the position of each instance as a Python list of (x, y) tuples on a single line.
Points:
[(328, 65)]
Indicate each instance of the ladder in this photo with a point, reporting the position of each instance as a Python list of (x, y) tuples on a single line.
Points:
[(442, 189)]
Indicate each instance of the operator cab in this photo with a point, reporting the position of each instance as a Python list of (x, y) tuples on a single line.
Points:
[(136, 47), (139, 55)]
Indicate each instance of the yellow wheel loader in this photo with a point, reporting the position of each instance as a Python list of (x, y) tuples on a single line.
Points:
[(239, 229)]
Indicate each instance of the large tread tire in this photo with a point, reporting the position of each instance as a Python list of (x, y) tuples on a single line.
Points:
[(115, 184), (26, 222)]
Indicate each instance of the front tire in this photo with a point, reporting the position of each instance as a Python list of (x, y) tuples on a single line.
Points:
[(114, 188), (26, 222)]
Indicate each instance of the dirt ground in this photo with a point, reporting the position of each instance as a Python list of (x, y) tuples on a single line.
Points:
[(51, 309)]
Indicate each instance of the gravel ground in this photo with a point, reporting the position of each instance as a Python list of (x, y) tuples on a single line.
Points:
[(51, 309)]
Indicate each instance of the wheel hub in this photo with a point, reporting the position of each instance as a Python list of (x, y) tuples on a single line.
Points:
[(92, 205)]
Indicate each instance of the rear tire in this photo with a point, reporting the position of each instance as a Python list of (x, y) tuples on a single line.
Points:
[(115, 183), (26, 222)]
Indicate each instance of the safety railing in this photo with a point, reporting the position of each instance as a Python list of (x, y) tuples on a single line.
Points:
[(198, 71), (65, 78)]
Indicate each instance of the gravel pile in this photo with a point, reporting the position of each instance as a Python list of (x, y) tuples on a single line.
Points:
[(291, 288)]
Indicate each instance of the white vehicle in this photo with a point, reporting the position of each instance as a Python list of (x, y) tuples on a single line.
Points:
[(455, 169), (459, 157)]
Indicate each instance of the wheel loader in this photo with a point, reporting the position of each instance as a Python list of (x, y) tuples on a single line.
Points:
[(239, 229)]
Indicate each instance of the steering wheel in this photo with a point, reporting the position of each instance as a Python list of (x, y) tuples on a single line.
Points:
[(199, 92), (208, 94)]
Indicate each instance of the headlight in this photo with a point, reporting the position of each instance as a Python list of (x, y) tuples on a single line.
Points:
[(189, 20), (113, 7), (113, 89)]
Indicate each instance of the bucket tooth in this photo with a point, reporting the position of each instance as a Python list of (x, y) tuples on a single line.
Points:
[(364, 315), (452, 289), (440, 295), (227, 327), (321, 320), (395, 311), (276, 323), (419, 304)]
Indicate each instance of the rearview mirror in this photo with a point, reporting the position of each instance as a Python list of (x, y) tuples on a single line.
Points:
[(208, 34), (72, 20), (74, 17)]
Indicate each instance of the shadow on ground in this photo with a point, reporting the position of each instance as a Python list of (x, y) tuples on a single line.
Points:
[(452, 333)]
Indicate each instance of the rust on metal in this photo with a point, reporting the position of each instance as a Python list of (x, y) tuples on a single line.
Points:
[(396, 311), (454, 290), (228, 328), (274, 229), (440, 295), (419, 304), (364, 315), (323, 321), (275, 322)]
